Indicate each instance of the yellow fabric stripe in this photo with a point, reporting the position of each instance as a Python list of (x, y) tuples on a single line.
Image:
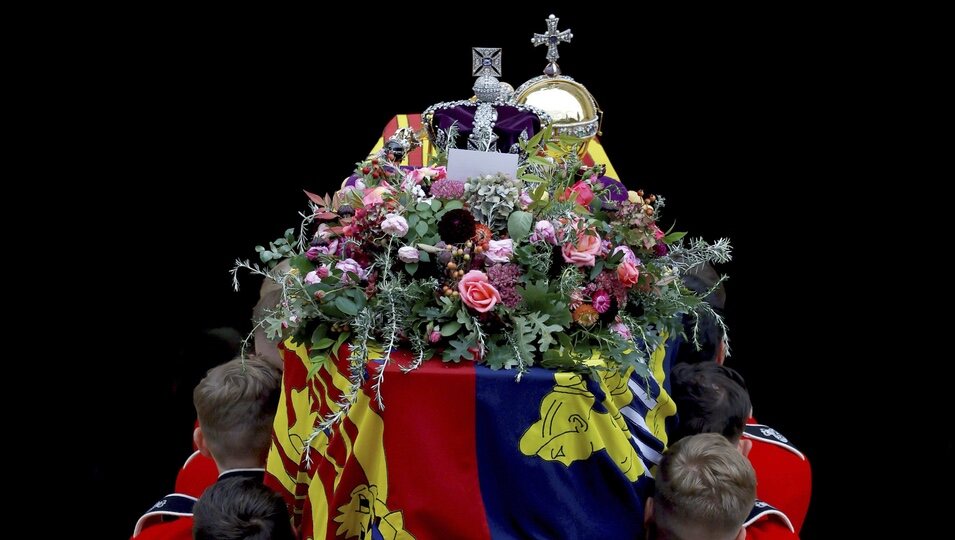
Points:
[(665, 407), (425, 152), (403, 123), (369, 445), (319, 506), (599, 155), (378, 146)]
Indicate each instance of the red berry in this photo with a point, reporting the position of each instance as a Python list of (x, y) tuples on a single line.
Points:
[(374, 162), (374, 174), (365, 170)]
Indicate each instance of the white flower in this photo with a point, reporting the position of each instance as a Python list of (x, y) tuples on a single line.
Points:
[(408, 254)]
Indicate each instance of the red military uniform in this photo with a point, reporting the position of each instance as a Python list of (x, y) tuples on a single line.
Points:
[(784, 478), (152, 525), (155, 524), (196, 474), (768, 523)]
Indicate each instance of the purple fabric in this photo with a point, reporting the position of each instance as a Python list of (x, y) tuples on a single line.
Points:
[(510, 123)]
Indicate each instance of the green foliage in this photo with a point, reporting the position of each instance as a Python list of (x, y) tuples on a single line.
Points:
[(458, 350), (538, 297), (278, 249), (519, 225), (538, 322)]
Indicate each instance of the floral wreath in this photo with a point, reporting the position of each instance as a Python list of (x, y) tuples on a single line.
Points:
[(560, 267)]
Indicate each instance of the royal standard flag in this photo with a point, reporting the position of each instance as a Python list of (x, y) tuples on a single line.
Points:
[(462, 451)]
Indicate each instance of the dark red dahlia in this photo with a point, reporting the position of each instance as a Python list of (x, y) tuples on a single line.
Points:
[(457, 226)]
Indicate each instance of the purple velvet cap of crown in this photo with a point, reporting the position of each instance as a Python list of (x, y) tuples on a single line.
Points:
[(511, 121), (615, 189)]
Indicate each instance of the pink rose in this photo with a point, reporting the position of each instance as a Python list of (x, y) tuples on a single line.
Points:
[(628, 255), (352, 266), (583, 191), (499, 251), (408, 254), (628, 273), (395, 225), (582, 253), (657, 233), (435, 335), (477, 292), (375, 195), (312, 278), (544, 231)]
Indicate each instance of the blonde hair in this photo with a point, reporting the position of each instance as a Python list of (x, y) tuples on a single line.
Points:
[(703, 484), (236, 404)]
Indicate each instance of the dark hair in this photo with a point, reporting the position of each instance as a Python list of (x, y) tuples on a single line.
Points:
[(241, 508), (709, 398), (709, 334), (700, 279)]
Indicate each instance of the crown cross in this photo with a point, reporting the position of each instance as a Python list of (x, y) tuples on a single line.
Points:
[(486, 61), (552, 38)]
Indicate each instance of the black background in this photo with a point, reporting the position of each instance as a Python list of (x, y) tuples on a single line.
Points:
[(215, 122)]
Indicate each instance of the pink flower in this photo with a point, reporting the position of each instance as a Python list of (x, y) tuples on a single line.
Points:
[(601, 301), (352, 266), (375, 195), (322, 271), (525, 199), (324, 231), (628, 273), (627, 254), (583, 191), (477, 292), (657, 233), (312, 253), (621, 329), (419, 174), (582, 253), (544, 231), (499, 251), (312, 278), (395, 225), (408, 254), (435, 335)]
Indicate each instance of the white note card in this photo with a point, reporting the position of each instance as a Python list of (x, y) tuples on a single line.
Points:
[(464, 164)]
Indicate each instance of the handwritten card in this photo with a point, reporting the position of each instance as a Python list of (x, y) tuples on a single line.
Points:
[(463, 164)]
